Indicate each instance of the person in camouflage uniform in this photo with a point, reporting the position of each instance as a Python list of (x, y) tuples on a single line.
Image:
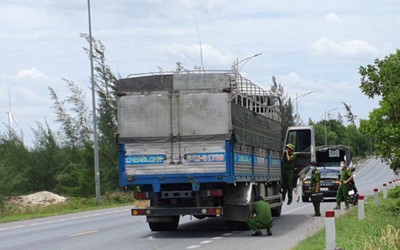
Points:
[(315, 187), (345, 177), (287, 173), (260, 217)]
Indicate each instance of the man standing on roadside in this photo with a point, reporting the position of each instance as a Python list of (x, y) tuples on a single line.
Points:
[(260, 217), (315, 187), (345, 178), (287, 176)]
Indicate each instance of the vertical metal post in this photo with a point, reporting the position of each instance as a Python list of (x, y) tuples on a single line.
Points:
[(376, 198), (96, 147), (385, 191), (361, 207), (330, 230), (297, 107), (325, 129)]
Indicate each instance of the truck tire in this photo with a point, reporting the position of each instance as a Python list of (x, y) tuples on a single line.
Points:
[(276, 211), (199, 217), (165, 226)]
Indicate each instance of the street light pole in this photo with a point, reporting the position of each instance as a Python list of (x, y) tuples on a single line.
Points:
[(297, 101), (96, 147), (245, 61), (326, 112)]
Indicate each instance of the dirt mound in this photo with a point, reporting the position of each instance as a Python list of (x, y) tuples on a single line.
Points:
[(39, 198)]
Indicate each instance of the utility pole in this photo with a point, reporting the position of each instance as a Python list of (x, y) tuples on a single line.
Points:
[(326, 112), (96, 144), (297, 102)]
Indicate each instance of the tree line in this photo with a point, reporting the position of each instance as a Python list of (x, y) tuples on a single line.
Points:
[(62, 161)]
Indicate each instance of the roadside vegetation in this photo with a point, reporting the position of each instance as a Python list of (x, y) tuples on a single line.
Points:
[(12, 212), (379, 230)]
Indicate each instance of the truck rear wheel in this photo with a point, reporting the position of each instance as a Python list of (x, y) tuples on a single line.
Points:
[(276, 211), (165, 226)]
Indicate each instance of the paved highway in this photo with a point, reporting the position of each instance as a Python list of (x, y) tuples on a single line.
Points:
[(116, 229)]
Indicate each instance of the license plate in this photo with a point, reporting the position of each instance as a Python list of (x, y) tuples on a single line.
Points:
[(324, 189), (351, 192), (141, 203)]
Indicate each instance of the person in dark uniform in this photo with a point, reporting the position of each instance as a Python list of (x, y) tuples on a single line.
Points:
[(345, 177), (260, 217), (315, 187), (287, 174)]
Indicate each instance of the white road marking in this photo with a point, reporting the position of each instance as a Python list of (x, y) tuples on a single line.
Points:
[(192, 246), (61, 220), (208, 241), (84, 233), (290, 211), (20, 226), (48, 222), (151, 238)]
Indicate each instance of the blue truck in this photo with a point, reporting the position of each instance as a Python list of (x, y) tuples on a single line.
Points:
[(202, 144)]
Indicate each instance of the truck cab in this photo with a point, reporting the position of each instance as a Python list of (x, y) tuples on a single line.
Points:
[(303, 138)]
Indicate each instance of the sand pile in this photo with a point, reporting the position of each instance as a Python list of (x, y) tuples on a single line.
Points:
[(39, 198)]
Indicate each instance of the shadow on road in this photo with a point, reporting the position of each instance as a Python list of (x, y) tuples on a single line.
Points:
[(197, 229)]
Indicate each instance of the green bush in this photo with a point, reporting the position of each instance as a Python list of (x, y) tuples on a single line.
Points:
[(118, 197), (394, 193), (2, 203)]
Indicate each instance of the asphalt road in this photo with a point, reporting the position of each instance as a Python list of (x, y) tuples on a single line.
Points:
[(116, 229)]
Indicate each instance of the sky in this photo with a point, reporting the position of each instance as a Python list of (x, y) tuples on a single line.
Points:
[(309, 46)]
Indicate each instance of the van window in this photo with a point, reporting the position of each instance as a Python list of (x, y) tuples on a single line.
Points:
[(301, 139), (334, 153)]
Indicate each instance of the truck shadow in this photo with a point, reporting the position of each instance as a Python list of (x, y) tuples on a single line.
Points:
[(216, 227), (206, 228)]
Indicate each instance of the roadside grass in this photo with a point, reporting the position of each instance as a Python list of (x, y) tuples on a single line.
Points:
[(379, 230), (10, 213)]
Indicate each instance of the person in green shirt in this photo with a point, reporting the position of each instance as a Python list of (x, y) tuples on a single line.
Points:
[(287, 174), (315, 187), (345, 177), (260, 217)]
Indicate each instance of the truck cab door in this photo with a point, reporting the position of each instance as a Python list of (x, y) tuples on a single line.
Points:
[(303, 138)]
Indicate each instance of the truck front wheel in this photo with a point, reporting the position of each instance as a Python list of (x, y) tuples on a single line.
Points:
[(170, 225)]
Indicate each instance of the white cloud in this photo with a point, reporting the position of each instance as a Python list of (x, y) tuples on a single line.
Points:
[(31, 73), (333, 17), (351, 48)]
